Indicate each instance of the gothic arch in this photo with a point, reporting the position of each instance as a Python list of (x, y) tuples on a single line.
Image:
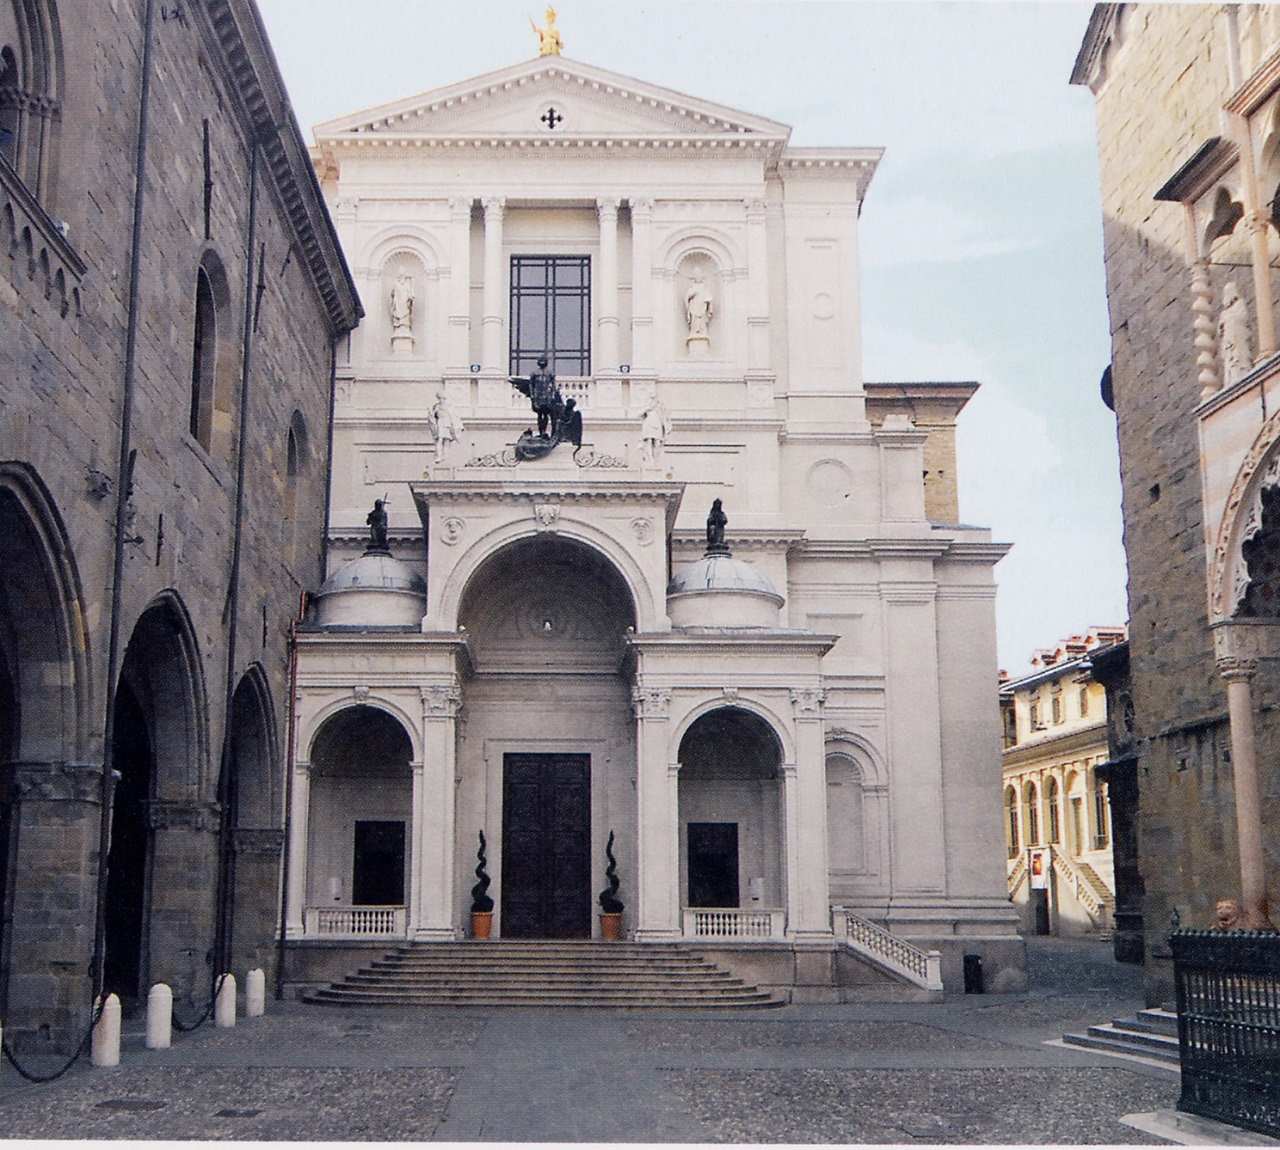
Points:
[(31, 100), (1257, 477)]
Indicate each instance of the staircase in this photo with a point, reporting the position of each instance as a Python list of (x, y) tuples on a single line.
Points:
[(1149, 1034), (516, 973)]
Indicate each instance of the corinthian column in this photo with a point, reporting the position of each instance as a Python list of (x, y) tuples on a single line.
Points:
[(431, 882), (1244, 763), (657, 810), (492, 321), (605, 356)]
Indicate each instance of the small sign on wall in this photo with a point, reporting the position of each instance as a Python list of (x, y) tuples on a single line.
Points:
[(1038, 864)]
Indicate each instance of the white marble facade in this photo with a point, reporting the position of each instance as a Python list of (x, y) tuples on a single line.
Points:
[(829, 694)]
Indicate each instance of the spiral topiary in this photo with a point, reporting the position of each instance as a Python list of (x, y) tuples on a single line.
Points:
[(481, 903), (610, 903)]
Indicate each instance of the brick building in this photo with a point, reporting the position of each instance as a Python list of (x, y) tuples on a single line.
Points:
[(1188, 102), (166, 351)]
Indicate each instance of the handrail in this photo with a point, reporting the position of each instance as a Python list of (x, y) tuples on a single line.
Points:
[(1096, 902), (898, 956)]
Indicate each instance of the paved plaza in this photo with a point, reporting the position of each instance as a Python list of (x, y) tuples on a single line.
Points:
[(971, 1069)]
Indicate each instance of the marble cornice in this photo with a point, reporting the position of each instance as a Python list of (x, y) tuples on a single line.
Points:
[(1246, 99), (522, 491), (716, 640), (742, 539)]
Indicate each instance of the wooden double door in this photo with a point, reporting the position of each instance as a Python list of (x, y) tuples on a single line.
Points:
[(546, 846)]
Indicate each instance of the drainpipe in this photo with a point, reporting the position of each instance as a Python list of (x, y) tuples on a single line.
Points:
[(226, 793), (290, 750), (124, 477)]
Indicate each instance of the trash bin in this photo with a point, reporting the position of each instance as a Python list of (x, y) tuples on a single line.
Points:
[(973, 974)]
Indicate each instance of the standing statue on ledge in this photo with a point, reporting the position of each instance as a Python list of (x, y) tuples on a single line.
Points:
[(444, 425), (655, 426), (544, 397), (1233, 336), (716, 523), (377, 521)]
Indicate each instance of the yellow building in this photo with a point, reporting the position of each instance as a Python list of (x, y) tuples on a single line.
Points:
[(1057, 822)]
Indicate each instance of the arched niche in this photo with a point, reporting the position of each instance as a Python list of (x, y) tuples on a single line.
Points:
[(732, 839)]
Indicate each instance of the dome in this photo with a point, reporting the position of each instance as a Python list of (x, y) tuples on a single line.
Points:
[(375, 590), (721, 591)]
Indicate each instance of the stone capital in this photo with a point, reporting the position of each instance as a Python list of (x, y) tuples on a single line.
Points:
[(56, 782), (441, 700), (607, 207), (184, 814), (1237, 667), (808, 701), (264, 843), (651, 702), (494, 207)]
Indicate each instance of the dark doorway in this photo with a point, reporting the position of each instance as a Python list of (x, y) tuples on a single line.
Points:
[(546, 846), (377, 877), (713, 864), (1040, 904), (127, 859), (8, 753)]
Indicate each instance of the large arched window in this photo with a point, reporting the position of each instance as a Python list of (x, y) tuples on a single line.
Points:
[(1033, 815), (1052, 798), (1011, 821)]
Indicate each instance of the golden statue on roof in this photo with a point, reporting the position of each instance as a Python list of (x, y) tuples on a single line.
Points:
[(549, 41)]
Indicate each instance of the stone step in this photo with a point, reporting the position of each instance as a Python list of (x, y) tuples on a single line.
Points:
[(1132, 1037), (1156, 1021), (537, 973)]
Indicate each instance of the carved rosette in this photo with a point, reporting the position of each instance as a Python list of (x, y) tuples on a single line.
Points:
[(1205, 330), (651, 702)]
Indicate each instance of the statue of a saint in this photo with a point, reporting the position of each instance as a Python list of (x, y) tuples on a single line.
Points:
[(445, 426), (655, 426), (1233, 336), (698, 308), (402, 306), (716, 523), (377, 521), (544, 397), (549, 41)]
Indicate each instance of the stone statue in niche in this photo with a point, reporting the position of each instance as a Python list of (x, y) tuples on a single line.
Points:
[(445, 426), (655, 426), (699, 307), (717, 520), (377, 521), (1233, 336), (402, 313)]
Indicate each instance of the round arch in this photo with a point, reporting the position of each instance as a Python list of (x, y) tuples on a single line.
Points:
[(336, 707), (471, 562), (699, 240), (780, 730), (855, 746)]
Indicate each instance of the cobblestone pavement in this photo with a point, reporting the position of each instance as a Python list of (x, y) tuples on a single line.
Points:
[(971, 1070)]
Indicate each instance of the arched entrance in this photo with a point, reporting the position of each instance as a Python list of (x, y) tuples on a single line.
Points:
[(547, 765), (43, 681), (161, 819), (360, 814), (250, 856), (731, 812)]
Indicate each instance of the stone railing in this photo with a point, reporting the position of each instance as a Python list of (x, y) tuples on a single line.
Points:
[(734, 924), (888, 951), (1085, 885), (355, 921), (1017, 873), (580, 389)]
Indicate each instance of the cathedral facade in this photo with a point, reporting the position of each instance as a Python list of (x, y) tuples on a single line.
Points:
[(655, 588)]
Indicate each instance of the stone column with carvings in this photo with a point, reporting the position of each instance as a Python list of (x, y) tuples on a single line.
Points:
[(1238, 672), (657, 820), (431, 894), (808, 915), (605, 356), (641, 284), (299, 832), (1205, 329), (493, 326), (458, 346), (1258, 223)]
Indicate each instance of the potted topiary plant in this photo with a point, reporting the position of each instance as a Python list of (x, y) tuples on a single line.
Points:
[(610, 904), (481, 903)]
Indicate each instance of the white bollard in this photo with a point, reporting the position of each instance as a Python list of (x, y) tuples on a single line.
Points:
[(255, 994), (106, 1035), (224, 1006), (159, 1017)]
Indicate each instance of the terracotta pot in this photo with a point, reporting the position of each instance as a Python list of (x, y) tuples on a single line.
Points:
[(611, 926), (481, 923)]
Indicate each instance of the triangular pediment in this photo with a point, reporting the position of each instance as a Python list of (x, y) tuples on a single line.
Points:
[(553, 96)]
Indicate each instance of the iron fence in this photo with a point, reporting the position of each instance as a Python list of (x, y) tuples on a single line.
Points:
[(1228, 987)]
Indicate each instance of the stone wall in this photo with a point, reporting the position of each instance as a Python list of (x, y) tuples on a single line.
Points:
[(62, 371), (1160, 92)]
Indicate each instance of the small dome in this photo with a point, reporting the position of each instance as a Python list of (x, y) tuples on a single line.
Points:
[(375, 590), (721, 591)]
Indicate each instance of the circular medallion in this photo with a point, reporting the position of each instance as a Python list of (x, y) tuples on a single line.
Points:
[(830, 482), (452, 529), (643, 530)]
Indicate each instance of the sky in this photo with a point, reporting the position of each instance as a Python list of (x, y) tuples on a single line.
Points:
[(981, 234)]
